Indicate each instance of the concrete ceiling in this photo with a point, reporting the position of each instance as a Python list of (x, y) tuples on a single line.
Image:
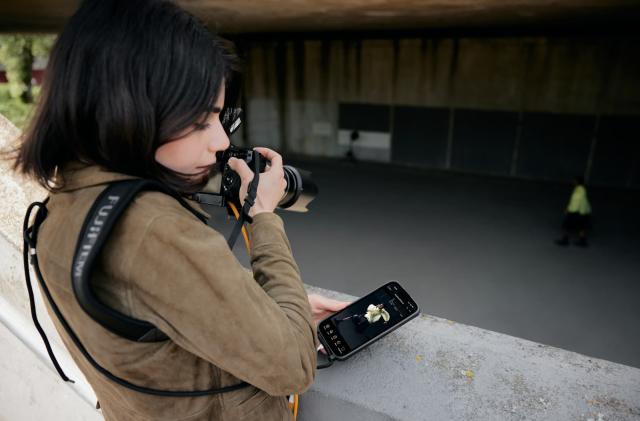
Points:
[(251, 16)]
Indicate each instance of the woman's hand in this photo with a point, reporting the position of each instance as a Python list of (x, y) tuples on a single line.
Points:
[(271, 185), (323, 307)]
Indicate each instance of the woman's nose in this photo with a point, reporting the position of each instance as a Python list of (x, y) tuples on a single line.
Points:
[(219, 142), (227, 141)]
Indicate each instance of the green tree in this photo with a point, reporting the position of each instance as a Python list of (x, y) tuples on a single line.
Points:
[(41, 45), (17, 53)]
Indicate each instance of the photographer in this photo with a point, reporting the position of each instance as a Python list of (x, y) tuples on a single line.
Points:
[(135, 89)]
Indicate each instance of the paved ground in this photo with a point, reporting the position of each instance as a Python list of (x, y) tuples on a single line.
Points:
[(478, 250)]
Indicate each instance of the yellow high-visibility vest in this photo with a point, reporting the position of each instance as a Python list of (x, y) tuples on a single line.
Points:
[(579, 203)]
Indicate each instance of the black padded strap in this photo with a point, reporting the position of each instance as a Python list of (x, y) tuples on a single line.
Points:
[(106, 209), (92, 361), (95, 232)]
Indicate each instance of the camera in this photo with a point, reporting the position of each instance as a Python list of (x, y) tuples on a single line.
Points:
[(300, 190)]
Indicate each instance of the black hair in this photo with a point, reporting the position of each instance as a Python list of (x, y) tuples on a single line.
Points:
[(124, 77)]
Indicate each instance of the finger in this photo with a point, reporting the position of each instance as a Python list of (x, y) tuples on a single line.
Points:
[(241, 168), (271, 155)]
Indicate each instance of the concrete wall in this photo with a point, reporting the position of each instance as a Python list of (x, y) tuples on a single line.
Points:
[(487, 105)]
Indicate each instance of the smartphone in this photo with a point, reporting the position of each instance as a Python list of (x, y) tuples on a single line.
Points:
[(366, 320)]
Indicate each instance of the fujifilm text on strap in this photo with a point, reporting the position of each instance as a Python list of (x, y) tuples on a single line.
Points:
[(93, 231)]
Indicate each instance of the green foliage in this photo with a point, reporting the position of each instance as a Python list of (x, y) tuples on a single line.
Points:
[(17, 53), (41, 45), (14, 109)]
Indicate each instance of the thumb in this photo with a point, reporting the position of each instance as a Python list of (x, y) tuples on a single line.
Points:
[(241, 168), (335, 305)]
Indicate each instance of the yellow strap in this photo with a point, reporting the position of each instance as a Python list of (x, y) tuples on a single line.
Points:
[(293, 405)]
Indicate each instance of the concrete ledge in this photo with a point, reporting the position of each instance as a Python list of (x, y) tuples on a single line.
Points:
[(437, 369)]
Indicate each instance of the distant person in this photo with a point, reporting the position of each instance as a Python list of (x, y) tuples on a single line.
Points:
[(355, 135), (577, 216)]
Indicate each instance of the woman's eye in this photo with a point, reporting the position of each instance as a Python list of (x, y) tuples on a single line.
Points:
[(201, 126)]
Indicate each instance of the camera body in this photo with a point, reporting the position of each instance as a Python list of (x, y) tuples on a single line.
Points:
[(300, 190), (230, 185)]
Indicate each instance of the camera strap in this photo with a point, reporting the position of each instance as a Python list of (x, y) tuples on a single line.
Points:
[(102, 217), (252, 191)]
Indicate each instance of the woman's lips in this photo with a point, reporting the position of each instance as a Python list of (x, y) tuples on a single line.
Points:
[(206, 166), (202, 170)]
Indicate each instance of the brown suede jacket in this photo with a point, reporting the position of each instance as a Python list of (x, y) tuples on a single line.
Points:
[(161, 264)]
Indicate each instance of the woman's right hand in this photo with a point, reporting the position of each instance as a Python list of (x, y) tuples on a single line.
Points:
[(271, 185)]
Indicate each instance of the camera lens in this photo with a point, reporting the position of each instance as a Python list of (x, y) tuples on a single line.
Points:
[(300, 191)]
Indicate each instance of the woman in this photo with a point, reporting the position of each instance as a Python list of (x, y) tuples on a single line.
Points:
[(135, 89)]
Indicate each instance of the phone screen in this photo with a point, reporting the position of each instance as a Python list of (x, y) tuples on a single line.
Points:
[(367, 319)]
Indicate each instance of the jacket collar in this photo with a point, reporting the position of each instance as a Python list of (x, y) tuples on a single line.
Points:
[(77, 175)]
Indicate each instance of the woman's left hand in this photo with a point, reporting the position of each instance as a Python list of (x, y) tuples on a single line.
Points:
[(323, 307)]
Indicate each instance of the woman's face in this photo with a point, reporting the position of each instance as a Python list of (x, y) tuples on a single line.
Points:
[(194, 151)]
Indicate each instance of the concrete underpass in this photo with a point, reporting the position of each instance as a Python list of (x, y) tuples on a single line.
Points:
[(471, 119)]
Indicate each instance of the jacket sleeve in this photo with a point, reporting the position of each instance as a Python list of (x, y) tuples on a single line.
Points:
[(187, 282)]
